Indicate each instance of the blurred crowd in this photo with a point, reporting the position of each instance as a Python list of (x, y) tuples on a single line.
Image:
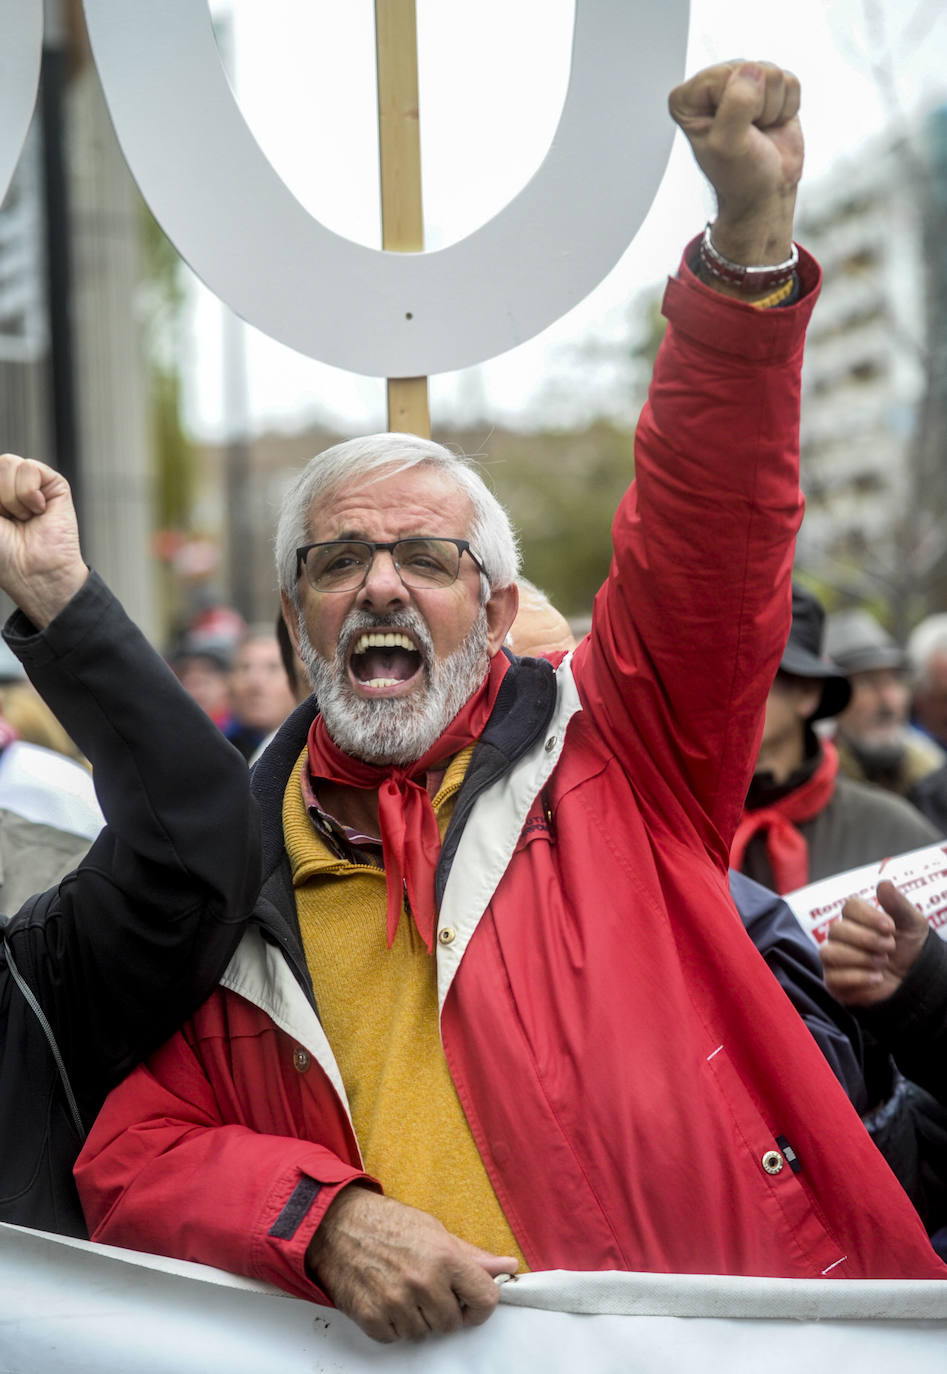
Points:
[(241, 675)]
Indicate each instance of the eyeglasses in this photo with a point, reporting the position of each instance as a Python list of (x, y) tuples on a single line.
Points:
[(343, 565)]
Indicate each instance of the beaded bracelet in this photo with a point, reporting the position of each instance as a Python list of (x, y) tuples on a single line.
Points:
[(753, 278)]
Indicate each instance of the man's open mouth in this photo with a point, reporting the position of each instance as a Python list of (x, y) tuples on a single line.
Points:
[(384, 658)]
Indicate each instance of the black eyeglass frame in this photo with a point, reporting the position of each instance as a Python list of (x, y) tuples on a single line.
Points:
[(461, 545)]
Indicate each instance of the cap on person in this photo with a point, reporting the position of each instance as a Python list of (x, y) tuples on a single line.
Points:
[(804, 656)]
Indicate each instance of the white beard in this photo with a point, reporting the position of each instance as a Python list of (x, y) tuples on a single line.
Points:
[(394, 730)]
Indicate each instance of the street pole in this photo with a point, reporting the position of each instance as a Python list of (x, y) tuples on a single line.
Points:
[(59, 287)]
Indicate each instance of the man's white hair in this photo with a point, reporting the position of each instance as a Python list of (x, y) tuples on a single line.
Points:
[(383, 455), (925, 641)]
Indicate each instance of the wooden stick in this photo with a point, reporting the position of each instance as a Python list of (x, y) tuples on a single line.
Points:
[(399, 150)]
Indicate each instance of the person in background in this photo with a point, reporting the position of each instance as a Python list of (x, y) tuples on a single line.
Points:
[(25, 711), (804, 819), (99, 970), (889, 966), (260, 696), (49, 812), (202, 667), (874, 737), (538, 629), (293, 666), (927, 665)]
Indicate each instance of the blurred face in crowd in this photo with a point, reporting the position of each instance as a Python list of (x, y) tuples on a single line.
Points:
[(875, 717), (206, 681), (539, 628), (930, 698), (260, 694), (790, 704), (392, 665)]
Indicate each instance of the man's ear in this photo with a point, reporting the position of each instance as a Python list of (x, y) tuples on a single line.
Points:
[(501, 612), (808, 696), (290, 620)]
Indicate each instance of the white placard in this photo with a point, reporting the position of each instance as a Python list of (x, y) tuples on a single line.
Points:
[(21, 53), (920, 874), (237, 224)]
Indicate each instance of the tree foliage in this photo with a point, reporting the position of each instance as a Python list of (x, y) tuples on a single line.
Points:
[(561, 489), (163, 301)]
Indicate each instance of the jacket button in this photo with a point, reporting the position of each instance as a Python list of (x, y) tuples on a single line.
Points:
[(772, 1162), (446, 935), (550, 744), (301, 1059)]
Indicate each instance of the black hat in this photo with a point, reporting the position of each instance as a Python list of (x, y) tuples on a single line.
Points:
[(803, 654)]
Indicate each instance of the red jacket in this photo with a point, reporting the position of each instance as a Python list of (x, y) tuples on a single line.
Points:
[(642, 1093)]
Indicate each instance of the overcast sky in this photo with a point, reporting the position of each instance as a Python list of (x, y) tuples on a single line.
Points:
[(493, 75)]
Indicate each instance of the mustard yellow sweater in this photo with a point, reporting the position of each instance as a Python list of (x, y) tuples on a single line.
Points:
[(379, 1011)]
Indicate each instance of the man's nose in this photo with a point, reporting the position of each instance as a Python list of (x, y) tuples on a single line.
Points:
[(383, 584)]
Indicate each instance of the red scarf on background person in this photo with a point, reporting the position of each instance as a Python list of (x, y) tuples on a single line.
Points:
[(786, 847), (410, 837)]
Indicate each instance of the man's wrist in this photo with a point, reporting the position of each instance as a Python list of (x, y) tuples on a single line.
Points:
[(44, 596), (748, 266), (755, 236), (322, 1236), (758, 279)]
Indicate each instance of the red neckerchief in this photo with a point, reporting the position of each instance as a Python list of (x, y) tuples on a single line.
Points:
[(410, 838), (786, 848)]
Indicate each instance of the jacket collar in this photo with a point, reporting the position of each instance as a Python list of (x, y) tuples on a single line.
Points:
[(525, 704)]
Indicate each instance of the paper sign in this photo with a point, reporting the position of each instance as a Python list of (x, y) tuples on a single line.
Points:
[(921, 875)]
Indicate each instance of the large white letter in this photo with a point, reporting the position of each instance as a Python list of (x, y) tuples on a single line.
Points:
[(21, 52), (391, 314)]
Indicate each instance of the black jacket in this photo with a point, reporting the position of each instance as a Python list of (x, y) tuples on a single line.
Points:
[(131, 942), (793, 958), (912, 1022), (906, 1123)]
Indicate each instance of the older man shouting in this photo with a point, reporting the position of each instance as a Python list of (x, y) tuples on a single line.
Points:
[(498, 1011)]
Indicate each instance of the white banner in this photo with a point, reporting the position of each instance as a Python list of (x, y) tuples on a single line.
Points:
[(68, 1307), (920, 874)]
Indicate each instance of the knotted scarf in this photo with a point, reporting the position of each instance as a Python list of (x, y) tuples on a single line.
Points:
[(786, 847), (410, 838)]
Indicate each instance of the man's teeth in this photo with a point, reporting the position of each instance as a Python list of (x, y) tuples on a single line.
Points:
[(378, 639), (379, 682)]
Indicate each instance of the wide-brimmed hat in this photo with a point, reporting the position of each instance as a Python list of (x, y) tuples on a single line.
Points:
[(858, 643), (803, 656)]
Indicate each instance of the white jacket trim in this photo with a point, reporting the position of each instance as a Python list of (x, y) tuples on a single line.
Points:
[(259, 972), (491, 833)]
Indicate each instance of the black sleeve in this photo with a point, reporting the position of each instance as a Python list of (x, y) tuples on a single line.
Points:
[(793, 959), (130, 943), (912, 1023)]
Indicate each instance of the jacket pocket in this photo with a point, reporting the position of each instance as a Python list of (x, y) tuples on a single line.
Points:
[(770, 1178)]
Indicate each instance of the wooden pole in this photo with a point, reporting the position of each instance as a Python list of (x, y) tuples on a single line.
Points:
[(399, 150)]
